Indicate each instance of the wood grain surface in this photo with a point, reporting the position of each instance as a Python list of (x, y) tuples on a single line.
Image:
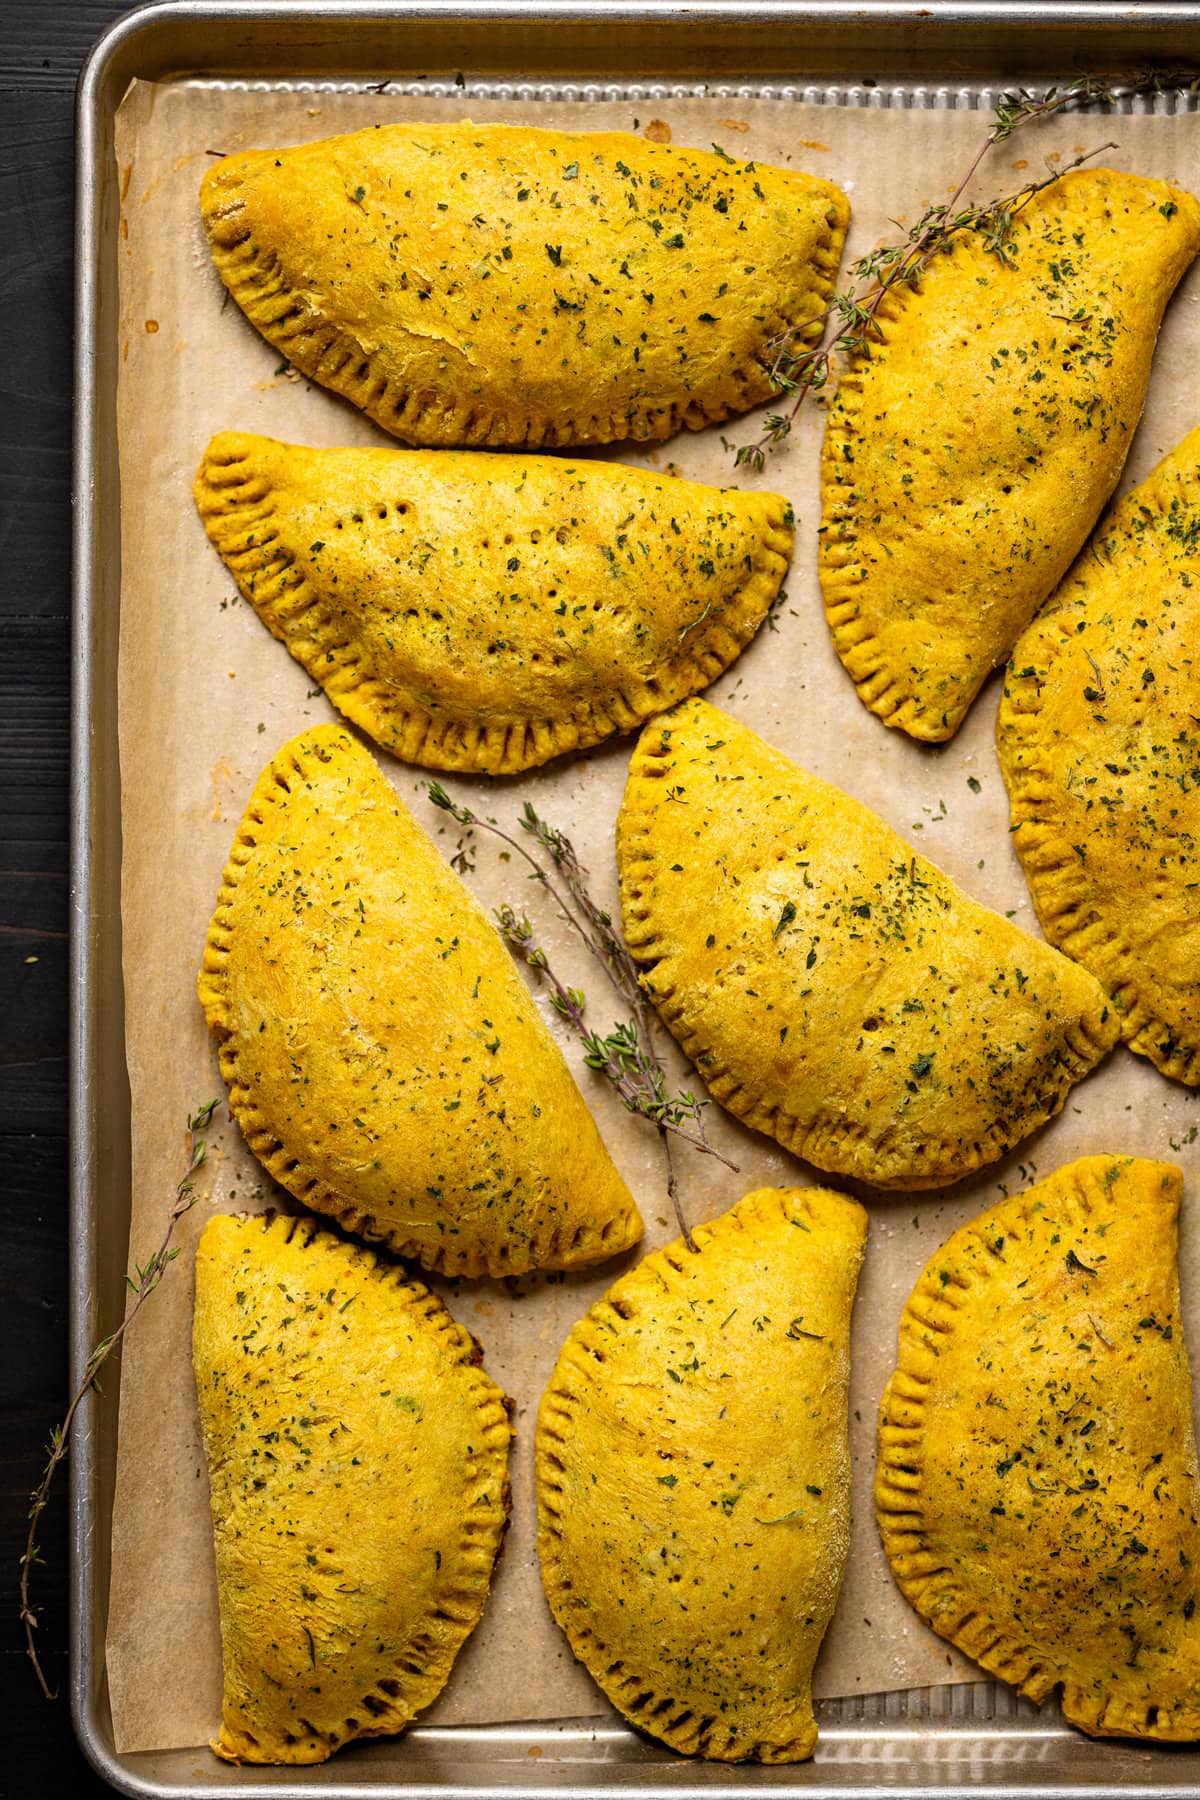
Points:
[(41, 46)]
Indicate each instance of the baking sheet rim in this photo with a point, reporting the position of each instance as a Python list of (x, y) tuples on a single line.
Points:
[(95, 116)]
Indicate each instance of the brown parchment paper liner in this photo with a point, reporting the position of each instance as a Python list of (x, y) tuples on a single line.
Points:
[(207, 697)]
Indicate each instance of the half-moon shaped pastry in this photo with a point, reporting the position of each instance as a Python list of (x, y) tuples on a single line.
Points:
[(833, 988), (1036, 1487), (487, 612), (1099, 741), (495, 284), (357, 1463), (385, 1061), (967, 456), (693, 1476)]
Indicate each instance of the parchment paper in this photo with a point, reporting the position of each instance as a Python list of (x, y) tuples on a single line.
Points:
[(207, 697)]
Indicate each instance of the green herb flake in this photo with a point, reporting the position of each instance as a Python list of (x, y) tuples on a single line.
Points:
[(785, 919)]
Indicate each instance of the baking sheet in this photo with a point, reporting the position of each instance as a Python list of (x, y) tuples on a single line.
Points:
[(207, 696)]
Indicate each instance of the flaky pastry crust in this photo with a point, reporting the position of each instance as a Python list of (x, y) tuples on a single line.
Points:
[(497, 284), (833, 988), (1099, 741), (693, 1476), (968, 454), (1036, 1488), (357, 1462), (484, 612), (385, 1061)]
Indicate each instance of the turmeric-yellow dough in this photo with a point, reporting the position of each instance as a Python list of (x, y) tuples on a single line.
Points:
[(485, 612), (1099, 741), (1036, 1487), (497, 284), (385, 1061), (357, 1464), (693, 1476), (833, 988), (968, 452)]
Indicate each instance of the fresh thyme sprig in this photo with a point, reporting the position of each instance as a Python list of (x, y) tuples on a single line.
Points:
[(853, 313), (1013, 108), (638, 1079), (627, 1057), (148, 1277)]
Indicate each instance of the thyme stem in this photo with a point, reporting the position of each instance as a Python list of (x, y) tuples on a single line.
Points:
[(148, 1278), (585, 922)]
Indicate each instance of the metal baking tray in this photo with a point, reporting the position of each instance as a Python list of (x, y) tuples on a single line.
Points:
[(882, 54)]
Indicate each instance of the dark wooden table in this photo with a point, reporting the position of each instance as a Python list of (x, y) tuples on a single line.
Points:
[(42, 43)]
